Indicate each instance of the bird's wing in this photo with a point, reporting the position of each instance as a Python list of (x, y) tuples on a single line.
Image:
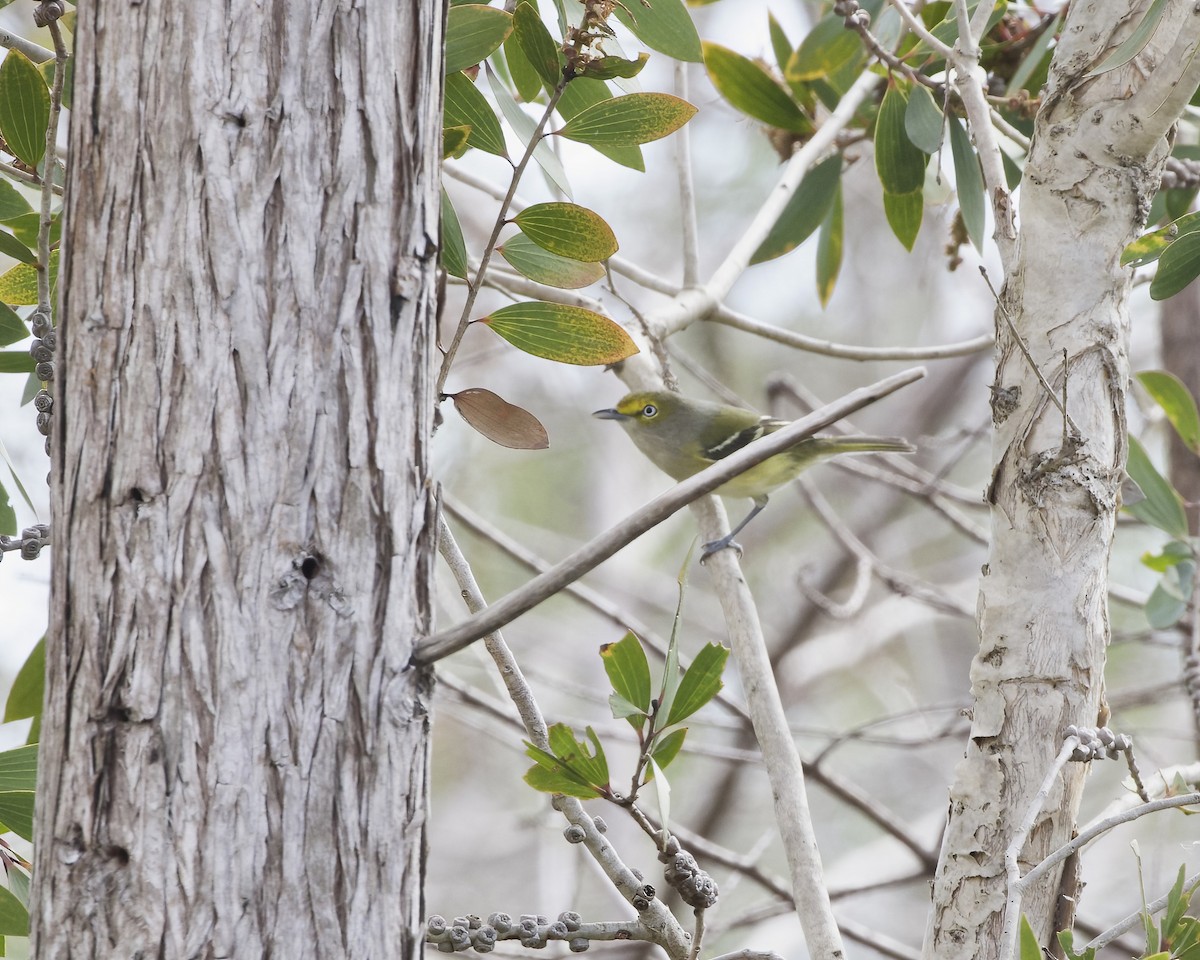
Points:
[(744, 436)]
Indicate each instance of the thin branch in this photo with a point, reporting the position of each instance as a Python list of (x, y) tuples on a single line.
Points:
[(36, 53), (1102, 940), (917, 26), (45, 307), (25, 176), (687, 187), (604, 546), (474, 287)]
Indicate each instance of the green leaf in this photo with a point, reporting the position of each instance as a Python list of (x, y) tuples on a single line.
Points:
[(904, 212), (1163, 507), (1066, 939), (829, 249), (1178, 266), (1029, 948), (575, 753), (556, 331), (805, 211), (662, 792), (751, 89), (668, 747), (828, 48), (558, 781), (12, 327), (1135, 43), (1169, 599), (466, 106), (454, 141), (1150, 246), (1177, 402), (454, 248), (525, 127), (24, 108), (25, 228), (8, 516), (536, 43), (10, 246), (16, 361), (628, 671), (700, 683), (583, 92), (568, 230), (968, 178), (473, 32), (611, 68), (18, 769), (1036, 60), (16, 811), (1173, 553), (12, 203), (531, 261), (500, 421), (14, 918), (781, 46), (25, 697), (527, 81), (923, 120), (665, 26), (899, 163), (622, 709), (19, 285), (632, 119)]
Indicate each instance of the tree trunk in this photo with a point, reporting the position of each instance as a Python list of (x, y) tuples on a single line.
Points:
[(1098, 149), (234, 747)]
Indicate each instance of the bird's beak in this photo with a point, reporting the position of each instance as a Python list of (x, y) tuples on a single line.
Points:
[(610, 414)]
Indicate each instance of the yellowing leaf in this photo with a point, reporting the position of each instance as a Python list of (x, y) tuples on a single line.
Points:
[(556, 331), (19, 285), (454, 141), (632, 119), (500, 421), (473, 32), (568, 230), (531, 261)]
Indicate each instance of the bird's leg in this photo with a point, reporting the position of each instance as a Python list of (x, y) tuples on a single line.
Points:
[(727, 541)]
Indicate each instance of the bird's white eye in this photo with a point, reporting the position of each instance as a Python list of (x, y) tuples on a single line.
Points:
[(649, 410)]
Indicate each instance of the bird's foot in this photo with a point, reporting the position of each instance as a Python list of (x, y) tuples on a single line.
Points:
[(714, 545)]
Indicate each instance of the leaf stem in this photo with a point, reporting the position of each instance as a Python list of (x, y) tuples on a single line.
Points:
[(48, 162)]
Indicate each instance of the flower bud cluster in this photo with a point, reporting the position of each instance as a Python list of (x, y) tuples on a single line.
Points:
[(1097, 743), (533, 931), (696, 888), (29, 543)]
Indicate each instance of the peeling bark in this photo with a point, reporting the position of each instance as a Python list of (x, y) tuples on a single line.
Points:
[(234, 747), (1096, 160)]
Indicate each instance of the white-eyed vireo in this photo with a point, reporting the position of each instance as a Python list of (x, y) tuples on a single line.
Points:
[(683, 436)]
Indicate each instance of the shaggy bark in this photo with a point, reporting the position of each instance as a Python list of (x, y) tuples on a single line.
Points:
[(234, 746), (1099, 145)]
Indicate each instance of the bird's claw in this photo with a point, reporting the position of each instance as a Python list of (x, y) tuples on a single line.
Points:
[(715, 545)]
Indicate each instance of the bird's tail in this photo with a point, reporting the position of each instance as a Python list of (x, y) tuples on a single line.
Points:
[(834, 446)]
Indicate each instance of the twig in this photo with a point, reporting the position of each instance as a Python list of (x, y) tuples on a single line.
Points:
[(917, 26), (687, 191), (604, 546), (852, 605), (36, 53), (26, 177), (1102, 940), (474, 287), (47, 198)]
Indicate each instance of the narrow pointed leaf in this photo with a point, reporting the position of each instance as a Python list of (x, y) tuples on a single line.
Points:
[(18, 769), (526, 79), (968, 179), (1178, 266), (1164, 608), (12, 203), (1029, 948), (16, 811), (632, 119), (1136, 42), (700, 683), (622, 709), (466, 106), (904, 212), (536, 43), (614, 68), (1150, 246), (667, 749), (19, 285), (665, 26), (10, 246), (662, 793), (628, 670), (829, 249), (749, 88), (1163, 507), (804, 212), (530, 260), (923, 120), (556, 331), (583, 92), (24, 107), (898, 161), (25, 228), (454, 141), (781, 46), (14, 918), (525, 126), (8, 516), (500, 421), (568, 230), (473, 32), (827, 48), (1177, 402), (12, 327), (1036, 60), (588, 763), (550, 781), (25, 697), (454, 248), (16, 361)]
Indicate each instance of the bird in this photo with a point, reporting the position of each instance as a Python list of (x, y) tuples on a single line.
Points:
[(682, 436)]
